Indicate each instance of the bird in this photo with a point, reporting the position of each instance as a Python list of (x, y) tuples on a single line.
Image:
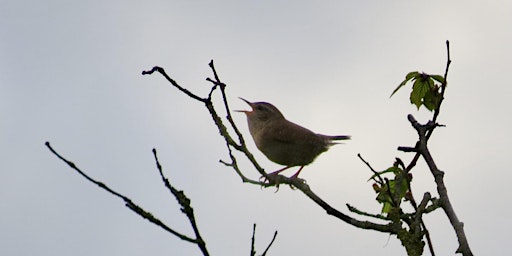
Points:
[(282, 141)]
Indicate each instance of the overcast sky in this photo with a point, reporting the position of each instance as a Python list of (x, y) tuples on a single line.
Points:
[(71, 74)]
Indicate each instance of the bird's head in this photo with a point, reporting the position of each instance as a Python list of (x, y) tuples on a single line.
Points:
[(261, 111)]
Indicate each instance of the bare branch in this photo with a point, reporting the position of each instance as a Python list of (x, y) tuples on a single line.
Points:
[(387, 228), (441, 188), (270, 244), (184, 201), (376, 174), (162, 72), (443, 85), (226, 105), (362, 213), (420, 210), (140, 211), (230, 142), (253, 250)]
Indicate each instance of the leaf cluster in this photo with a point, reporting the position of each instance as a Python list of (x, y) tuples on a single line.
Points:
[(391, 191), (425, 89)]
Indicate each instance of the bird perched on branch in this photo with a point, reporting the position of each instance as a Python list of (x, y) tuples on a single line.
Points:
[(282, 141)]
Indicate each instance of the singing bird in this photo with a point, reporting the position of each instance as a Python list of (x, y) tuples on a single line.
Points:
[(282, 141)]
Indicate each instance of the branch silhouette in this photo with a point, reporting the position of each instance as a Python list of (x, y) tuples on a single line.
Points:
[(409, 227), (391, 191), (425, 131), (179, 195), (253, 251), (240, 145)]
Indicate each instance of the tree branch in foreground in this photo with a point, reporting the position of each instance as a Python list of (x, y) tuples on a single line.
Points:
[(179, 195), (253, 251), (421, 149), (185, 204), (444, 200)]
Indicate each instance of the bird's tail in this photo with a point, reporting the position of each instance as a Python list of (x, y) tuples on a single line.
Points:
[(329, 139), (340, 137)]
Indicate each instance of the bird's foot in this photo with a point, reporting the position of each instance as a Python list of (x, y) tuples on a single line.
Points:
[(274, 179), (297, 180)]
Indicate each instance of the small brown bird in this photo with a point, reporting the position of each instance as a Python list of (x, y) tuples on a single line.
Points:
[(282, 141)]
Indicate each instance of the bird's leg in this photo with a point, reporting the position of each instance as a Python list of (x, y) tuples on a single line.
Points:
[(279, 171), (296, 175)]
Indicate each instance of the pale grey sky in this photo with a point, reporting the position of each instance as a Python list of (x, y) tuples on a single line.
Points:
[(71, 74)]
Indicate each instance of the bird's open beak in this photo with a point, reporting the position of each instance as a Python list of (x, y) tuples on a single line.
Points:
[(245, 111)]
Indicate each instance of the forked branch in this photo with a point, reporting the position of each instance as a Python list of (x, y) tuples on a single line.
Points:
[(179, 195), (421, 149)]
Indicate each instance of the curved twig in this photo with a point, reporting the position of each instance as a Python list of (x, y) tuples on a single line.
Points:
[(253, 238), (180, 196), (184, 201)]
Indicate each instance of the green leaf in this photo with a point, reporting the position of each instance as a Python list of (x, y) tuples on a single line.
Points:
[(397, 189), (383, 196), (419, 90), (400, 188), (430, 82), (385, 199), (409, 76), (386, 208), (425, 90), (392, 169), (438, 78), (413, 74), (432, 99)]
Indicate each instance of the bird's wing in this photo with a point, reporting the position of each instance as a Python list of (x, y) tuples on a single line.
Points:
[(290, 133)]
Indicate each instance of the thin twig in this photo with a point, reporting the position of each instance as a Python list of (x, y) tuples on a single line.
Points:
[(129, 203), (444, 84), (226, 105), (162, 72), (235, 167), (253, 239), (359, 212), (230, 142), (270, 244), (184, 201), (420, 210), (253, 250), (386, 228), (381, 181)]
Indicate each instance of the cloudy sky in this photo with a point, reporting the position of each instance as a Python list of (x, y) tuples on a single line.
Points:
[(71, 75)]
